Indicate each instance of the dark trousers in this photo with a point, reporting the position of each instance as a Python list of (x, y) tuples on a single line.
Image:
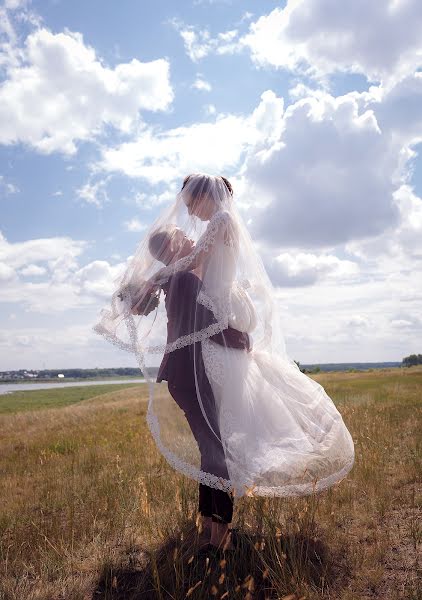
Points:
[(214, 503)]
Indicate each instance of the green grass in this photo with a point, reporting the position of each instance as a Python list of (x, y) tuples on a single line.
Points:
[(55, 398), (91, 509)]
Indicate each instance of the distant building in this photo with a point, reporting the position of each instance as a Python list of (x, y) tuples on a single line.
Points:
[(60, 375)]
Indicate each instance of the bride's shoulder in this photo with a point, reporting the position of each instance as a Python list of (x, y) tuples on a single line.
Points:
[(222, 226), (221, 216)]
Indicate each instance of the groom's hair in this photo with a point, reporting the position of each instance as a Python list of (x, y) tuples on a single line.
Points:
[(159, 242)]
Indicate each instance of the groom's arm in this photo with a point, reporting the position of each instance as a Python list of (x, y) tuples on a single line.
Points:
[(188, 315), (232, 338)]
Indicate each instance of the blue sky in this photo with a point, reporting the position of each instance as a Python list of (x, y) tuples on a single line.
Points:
[(104, 108)]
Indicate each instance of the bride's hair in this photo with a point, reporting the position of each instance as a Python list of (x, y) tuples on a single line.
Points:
[(203, 186)]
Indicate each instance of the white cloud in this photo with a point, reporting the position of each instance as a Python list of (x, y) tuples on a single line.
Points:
[(352, 321), (66, 284), (407, 322), (33, 270), (153, 200), (201, 85), (398, 246), (210, 109), (7, 188), (378, 39), (316, 38), (61, 92), (7, 273), (97, 278), (399, 108), (58, 257), (65, 346), (199, 42), (162, 156), (358, 322), (317, 174), (326, 179), (20, 254), (304, 269), (94, 193), (14, 4), (134, 225)]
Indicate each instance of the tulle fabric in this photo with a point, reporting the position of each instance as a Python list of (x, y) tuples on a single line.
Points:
[(232, 409)]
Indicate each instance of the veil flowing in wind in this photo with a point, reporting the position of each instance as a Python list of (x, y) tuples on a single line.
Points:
[(197, 284)]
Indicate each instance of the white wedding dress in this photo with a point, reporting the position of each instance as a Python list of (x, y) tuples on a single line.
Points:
[(281, 432), (273, 430)]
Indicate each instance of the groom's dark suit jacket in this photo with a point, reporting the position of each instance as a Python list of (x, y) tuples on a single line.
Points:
[(183, 312)]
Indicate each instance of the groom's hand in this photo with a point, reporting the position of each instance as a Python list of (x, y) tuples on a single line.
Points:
[(159, 277), (148, 302)]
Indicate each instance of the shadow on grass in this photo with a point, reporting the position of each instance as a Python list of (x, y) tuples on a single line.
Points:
[(263, 566)]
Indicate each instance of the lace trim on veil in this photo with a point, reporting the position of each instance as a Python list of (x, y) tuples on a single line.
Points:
[(294, 490), (219, 223)]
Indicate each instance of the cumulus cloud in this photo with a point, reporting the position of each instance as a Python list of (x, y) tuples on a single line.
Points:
[(314, 175), (61, 283), (396, 246), (134, 225), (199, 42), (210, 109), (33, 270), (357, 322), (161, 156), (304, 269), (21, 254), (327, 179), (353, 321), (60, 92), (150, 201), (202, 85), (398, 108), (317, 38), (97, 278), (94, 192), (66, 346), (406, 322), (7, 188), (7, 273)]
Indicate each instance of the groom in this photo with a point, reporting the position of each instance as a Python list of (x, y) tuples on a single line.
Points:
[(178, 366)]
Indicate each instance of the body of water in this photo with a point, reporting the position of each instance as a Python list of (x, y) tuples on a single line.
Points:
[(6, 388)]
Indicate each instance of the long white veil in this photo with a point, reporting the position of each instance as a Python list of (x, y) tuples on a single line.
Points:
[(195, 301)]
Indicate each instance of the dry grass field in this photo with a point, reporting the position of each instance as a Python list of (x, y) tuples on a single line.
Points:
[(91, 510)]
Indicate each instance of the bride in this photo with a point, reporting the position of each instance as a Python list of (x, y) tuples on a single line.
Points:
[(282, 434)]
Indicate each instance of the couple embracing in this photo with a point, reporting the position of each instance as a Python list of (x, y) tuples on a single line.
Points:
[(262, 426)]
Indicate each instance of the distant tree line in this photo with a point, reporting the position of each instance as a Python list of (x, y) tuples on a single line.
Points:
[(90, 373), (72, 373), (315, 369), (412, 359)]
